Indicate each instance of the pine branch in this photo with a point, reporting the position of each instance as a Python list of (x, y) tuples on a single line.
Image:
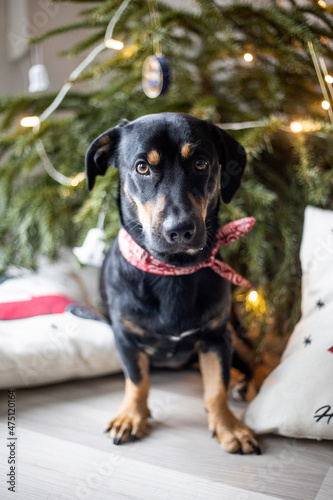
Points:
[(210, 79)]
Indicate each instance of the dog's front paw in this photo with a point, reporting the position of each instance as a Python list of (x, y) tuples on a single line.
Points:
[(128, 425), (233, 435)]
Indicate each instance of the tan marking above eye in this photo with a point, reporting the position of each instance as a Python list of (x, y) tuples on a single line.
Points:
[(153, 157), (187, 150)]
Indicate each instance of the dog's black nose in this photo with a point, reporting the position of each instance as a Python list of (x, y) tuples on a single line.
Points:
[(179, 231)]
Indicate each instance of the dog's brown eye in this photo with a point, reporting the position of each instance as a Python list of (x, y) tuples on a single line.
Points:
[(201, 164), (142, 168)]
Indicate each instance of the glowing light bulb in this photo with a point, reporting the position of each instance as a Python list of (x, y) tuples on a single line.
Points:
[(77, 179), (329, 79), (30, 121), (325, 105), (248, 57), (322, 4), (111, 43), (81, 176), (296, 127), (253, 296)]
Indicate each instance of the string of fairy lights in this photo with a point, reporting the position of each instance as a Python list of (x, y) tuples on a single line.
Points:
[(324, 78), (35, 121), (325, 81)]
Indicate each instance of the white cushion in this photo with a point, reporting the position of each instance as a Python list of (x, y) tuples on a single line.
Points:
[(296, 399), (76, 342)]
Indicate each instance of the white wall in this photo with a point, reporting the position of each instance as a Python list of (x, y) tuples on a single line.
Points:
[(33, 17), (22, 19)]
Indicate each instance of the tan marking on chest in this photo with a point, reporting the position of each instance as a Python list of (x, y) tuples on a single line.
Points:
[(132, 327)]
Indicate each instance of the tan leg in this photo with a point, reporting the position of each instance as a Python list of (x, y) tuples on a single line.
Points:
[(130, 422), (233, 435)]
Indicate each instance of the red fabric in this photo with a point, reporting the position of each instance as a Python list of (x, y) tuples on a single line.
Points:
[(141, 259), (36, 306)]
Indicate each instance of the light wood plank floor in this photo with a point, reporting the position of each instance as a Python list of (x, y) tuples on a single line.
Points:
[(62, 453)]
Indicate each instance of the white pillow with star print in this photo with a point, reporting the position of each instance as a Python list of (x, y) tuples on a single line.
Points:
[(296, 399)]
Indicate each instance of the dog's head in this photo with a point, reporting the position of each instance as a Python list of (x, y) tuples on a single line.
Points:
[(170, 165)]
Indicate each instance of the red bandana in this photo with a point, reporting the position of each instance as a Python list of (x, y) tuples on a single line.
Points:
[(141, 259)]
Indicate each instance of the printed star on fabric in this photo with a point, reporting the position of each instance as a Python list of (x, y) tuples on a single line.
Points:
[(320, 304), (307, 341), (331, 349)]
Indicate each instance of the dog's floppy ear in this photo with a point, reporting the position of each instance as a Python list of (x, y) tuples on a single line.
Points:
[(232, 158), (101, 153)]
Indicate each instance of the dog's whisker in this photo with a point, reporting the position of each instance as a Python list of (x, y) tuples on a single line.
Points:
[(134, 225)]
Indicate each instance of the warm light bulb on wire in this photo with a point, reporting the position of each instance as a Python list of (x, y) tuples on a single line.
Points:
[(30, 121), (253, 296), (35, 121), (296, 127), (329, 79), (325, 105), (111, 43), (255, 303), (79, 178), (248, 57)]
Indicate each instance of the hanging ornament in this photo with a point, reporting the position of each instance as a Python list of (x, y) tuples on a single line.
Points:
[(39, 81), (38, 77), (156, 69), (92, 251), (155, 76)]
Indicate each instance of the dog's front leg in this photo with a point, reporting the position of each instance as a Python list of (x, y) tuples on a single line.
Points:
[(131, 419), (233, 435)]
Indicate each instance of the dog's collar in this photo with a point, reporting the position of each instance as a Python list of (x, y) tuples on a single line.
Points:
[(229, 233)]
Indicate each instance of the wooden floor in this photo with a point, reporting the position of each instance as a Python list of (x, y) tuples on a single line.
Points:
[(63, 454)]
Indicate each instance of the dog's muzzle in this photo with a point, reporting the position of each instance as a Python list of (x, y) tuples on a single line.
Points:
[(181, 235), (141, 259)]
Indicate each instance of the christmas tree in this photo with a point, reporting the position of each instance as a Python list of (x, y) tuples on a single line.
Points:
[(259, 69)]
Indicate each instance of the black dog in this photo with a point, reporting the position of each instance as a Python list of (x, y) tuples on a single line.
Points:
[(169, 167)]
